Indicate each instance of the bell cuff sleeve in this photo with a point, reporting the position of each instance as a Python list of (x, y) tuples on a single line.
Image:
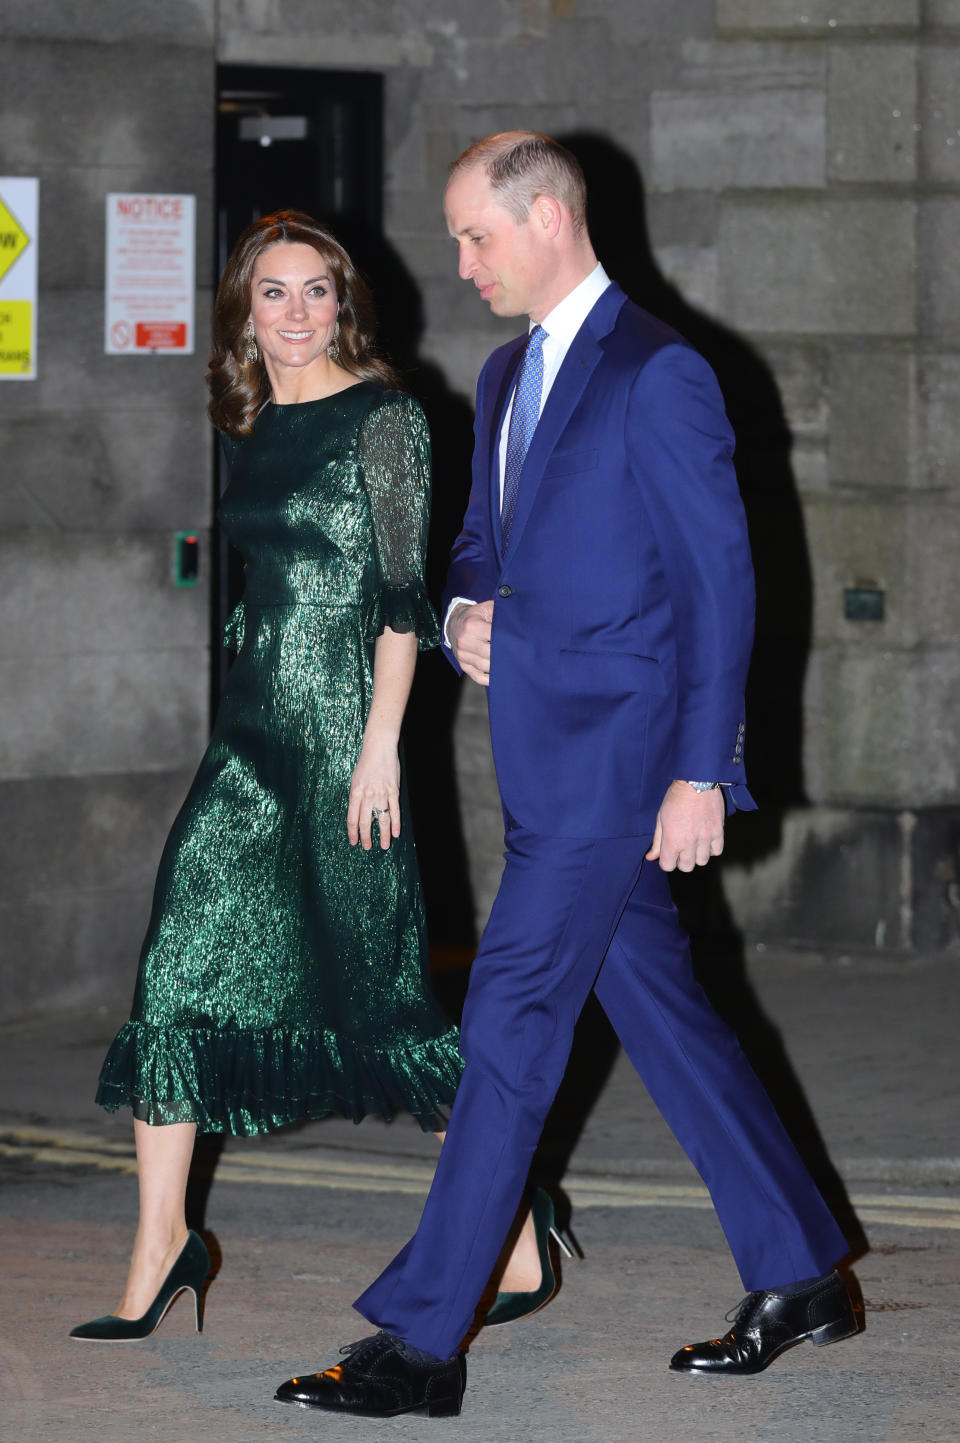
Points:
[(404, 609)]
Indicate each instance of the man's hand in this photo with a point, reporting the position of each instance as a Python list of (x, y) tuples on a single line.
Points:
[(689, 828), (469, 632)]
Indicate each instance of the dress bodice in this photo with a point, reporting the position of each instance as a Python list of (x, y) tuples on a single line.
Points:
[(328, 504)]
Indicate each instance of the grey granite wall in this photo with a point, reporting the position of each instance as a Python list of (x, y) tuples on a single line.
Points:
[(780, 179), (104, 664)]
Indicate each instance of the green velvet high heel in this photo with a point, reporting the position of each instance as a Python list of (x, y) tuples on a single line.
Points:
[(507, 1307), (188, 1272)]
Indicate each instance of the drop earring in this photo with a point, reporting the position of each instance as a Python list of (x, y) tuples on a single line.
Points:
[(251, 351), (333, 349)]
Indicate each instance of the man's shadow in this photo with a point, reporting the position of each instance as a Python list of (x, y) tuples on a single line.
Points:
[(428, 730), (618, 228)]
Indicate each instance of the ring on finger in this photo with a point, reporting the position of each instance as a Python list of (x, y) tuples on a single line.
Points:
[(378, 812)]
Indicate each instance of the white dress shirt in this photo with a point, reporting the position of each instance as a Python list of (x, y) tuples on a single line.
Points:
[(561, 325)]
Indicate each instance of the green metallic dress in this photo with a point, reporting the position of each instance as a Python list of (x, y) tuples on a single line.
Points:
[(283, 973)]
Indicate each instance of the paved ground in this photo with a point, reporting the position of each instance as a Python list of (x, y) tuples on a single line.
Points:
[(863, 1061)]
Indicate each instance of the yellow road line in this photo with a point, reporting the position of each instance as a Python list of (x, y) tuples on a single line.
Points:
[(311, 1169)]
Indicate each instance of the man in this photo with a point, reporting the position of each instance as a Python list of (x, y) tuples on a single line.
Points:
[(602, 590)]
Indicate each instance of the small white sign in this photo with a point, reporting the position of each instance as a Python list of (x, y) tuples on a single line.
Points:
[(151, 245), (19, 198)]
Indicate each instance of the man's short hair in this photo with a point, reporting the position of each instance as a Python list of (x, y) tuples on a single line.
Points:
[(522, 164)]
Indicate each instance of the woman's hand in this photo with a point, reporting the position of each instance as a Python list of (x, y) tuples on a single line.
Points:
[(375, 786)]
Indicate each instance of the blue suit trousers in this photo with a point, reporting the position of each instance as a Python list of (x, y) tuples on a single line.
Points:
[(571, 915)]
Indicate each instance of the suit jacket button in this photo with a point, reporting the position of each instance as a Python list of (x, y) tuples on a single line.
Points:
[(504, 590)]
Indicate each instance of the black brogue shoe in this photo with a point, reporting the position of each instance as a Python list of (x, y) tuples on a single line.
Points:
[(768, 1323), (381, 1378)]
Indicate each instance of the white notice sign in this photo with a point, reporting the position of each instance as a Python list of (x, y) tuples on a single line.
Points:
[(18, 278), (150, 274)]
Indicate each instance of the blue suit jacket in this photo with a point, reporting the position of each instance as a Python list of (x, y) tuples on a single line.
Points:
[(623, 615)]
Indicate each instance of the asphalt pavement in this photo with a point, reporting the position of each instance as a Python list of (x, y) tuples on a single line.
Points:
[(862, 1060)]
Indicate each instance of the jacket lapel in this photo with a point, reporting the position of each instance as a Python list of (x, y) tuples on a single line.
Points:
[(571, 381)]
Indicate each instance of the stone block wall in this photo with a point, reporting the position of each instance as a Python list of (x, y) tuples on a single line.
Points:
[(104, 664), (782, 181)]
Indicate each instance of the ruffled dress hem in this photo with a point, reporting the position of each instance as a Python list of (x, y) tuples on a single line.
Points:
[(252, 1081)]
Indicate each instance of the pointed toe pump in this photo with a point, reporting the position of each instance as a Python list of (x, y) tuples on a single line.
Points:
[(188, 1273), (508, 1307)]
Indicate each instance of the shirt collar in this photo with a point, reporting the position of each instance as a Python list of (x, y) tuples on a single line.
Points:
[(566, 318)]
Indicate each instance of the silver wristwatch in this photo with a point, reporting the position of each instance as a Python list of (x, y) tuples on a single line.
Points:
[(703, 786)]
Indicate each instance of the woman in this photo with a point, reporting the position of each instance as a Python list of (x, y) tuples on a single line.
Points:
[(282, 976)]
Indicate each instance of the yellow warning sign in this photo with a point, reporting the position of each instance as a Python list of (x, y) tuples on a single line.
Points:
[(19, 205), (16, 334), (13, 239)]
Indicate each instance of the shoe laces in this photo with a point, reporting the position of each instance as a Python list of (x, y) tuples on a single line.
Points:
[(736, 1313), (367, 1343)]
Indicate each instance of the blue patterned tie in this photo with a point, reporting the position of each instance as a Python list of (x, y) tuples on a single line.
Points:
[(523, 423)]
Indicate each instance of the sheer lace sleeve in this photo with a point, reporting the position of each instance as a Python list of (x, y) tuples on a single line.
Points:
[(395, 455), (233, 628)]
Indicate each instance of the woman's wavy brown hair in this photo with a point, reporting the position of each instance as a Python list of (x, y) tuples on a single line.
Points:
[(240, 388)]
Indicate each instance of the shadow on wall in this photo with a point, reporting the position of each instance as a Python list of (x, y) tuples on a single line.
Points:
[(774, 710), (431, 713), (618, 227)]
